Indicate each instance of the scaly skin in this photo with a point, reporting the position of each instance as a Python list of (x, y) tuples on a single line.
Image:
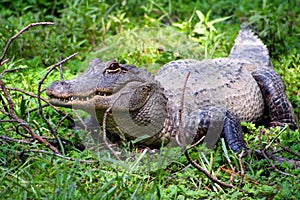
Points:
[(220, 93)]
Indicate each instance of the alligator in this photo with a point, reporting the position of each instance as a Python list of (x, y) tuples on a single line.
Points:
[(150, 109)]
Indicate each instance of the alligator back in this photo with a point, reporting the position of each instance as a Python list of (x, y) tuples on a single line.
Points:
[(223, 83)]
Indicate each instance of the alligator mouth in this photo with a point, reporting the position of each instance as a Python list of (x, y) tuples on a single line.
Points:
[(101, 98), (69, 99)]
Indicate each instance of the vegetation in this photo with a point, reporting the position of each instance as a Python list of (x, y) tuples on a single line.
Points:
[(147, 34)]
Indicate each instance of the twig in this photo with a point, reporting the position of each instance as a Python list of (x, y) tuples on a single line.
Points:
[(104, 126), (11, 70), (9, 106), (18, 34), (240, 156), (39, 90), (185, 149), (7, 114), (280, 160), (266, 156), (290, 151), (27, 93), (212, 178), (181, 130), (4, 61), (232, 176), (7, 120), (196, 143), (61, 69), (271, 142), (45, 100), (33, 110), (13, 116), (80, 119), (5, 138), (19, 132), (8, 99), (6, 109), (60, 122), (58, 155)]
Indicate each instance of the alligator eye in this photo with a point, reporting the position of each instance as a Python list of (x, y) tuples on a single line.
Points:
[(113, 67)]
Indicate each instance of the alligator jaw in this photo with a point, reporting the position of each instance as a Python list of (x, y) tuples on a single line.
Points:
[(65, 94), (69, 101)]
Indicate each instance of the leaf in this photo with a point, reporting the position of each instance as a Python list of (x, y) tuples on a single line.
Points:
[(199, 29), (268, 190), (22, 106), (219, 20), (138, 139), (200, 16)]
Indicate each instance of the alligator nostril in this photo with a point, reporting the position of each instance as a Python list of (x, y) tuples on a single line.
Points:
[(55, 83)]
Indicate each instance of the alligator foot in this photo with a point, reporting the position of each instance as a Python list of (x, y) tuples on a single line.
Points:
[(233, 135)]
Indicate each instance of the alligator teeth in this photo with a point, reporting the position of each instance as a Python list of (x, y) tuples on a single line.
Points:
[(87, 98), (101, 93)]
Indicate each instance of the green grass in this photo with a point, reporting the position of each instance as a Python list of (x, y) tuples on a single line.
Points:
[(135, 32)]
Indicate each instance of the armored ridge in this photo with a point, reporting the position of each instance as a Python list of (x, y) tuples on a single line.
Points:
[(249, 47), (220, 93)]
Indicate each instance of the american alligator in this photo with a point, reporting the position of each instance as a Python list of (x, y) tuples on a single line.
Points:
[(220, 93)]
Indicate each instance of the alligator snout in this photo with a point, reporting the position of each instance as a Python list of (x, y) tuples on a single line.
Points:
[(59, 89)]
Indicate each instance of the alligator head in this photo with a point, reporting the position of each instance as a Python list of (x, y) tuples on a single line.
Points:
[(137, 101)]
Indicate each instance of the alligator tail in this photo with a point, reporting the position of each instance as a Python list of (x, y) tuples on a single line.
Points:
[(249, 47)]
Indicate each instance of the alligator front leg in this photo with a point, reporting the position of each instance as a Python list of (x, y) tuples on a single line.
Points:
[(215, 123), (273, 90)]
